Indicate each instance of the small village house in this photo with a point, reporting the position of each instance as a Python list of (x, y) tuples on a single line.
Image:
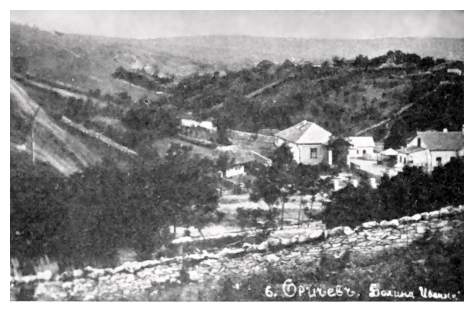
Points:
[(361, 147), (206, 124), (308, 143), (455, 71), (239, 159), (430, 149)]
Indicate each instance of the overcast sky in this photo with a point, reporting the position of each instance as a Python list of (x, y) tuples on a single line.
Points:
[(306, 24)]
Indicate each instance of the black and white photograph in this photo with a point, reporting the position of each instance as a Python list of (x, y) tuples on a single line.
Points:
[(236, 155)]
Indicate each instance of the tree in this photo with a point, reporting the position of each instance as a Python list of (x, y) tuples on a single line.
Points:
[(449, 183), (222, 124), (163, 121), (306, 177), (426, 62), (350, 206), (411, 191), (277, 182), (191, 188), (338, 61), (224, 162), (19, 64), (38, 210), (361, 61)]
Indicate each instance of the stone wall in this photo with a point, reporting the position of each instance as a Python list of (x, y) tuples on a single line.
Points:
[(157, 279)]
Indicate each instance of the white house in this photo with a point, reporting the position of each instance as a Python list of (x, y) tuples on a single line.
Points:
[(429, 149), (206, 124), (308, 143), (361, 147), (456, 71)]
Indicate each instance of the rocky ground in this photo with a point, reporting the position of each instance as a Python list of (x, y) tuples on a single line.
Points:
[(194, 277)]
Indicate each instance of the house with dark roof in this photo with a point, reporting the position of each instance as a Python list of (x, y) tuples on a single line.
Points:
[(429, 149), (308, 143)]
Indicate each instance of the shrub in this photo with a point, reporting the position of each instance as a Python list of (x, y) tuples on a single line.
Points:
[(411, 191), (256, 218)]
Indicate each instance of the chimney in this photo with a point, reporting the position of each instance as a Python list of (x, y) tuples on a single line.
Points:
[(445, 130)]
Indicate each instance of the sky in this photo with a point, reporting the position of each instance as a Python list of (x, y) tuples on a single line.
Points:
[(299, 24)]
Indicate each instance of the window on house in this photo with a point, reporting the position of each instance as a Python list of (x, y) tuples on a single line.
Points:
[(418, 142), (364, 152), (438, 161), (313, 153)]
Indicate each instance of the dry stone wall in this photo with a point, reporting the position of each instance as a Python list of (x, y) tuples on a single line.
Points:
[(156, 278)]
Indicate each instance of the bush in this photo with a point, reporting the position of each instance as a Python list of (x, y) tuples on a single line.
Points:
[(37, 211), (411, 191), (256, 218), (162, 121)]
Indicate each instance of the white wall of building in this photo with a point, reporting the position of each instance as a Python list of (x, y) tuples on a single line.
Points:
[(362, 152), (235, 171), (302, 152), (306, 157)]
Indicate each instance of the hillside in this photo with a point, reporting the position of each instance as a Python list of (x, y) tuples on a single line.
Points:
[(345, 98), (56, 142), (186, 75), (88, 62), (53, 144)]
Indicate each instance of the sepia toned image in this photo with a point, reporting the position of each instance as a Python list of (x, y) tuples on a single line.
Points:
[(237, 155)]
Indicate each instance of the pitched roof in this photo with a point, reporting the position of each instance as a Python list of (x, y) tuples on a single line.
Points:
[(305, 132), (361, 141), (389, 152), (442, 141), (411, 149)]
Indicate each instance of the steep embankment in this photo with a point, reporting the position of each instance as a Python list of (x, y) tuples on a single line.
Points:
[(52, 144), (199, 276)]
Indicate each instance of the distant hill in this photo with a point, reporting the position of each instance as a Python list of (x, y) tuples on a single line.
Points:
[(88, 61), (238, 51)]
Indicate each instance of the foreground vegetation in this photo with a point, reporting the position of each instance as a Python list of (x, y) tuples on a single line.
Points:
[(86, 218)]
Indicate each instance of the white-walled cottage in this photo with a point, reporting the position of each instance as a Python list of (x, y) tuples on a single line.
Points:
[(361, 147), (308, 143), (429, 149)]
